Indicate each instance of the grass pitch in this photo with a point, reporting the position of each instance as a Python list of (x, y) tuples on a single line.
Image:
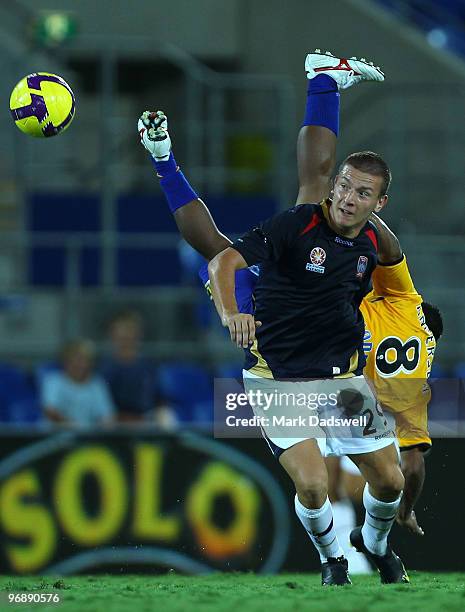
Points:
[(237, 593)]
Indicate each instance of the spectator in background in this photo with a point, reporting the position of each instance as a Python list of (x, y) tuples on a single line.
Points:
[(131, 376), (75, 395)]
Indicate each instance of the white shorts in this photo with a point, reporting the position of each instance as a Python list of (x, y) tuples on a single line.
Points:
[(373, 435), (349, 466)]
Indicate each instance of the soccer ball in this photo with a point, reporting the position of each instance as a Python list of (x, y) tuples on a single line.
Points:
[(42, 104)]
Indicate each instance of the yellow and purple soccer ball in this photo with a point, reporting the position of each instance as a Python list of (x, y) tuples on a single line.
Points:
[(42, 105)]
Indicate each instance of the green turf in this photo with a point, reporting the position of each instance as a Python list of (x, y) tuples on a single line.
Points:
[(239, 593)]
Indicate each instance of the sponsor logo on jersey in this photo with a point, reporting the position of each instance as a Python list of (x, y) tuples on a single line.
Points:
[(348, 243), (255, 269), (317, 259), (362, 266), (367, 342)]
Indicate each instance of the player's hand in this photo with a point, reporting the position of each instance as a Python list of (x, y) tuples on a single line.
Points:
[(410, 522), (242, 328), (153, 134)]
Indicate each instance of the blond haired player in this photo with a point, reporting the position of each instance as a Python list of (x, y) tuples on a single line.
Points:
[(400, 329)]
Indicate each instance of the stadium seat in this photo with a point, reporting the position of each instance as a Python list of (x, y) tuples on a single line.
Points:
[(437, 371), (18, 402), (229, 370), (445, 398), (459, 370), (25, 410), (190, 388), (42, 370)]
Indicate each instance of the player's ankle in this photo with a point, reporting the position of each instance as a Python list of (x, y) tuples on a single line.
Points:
[(322, 83)]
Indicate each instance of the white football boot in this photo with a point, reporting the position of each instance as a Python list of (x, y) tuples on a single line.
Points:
[(346, 72), (153, 133)]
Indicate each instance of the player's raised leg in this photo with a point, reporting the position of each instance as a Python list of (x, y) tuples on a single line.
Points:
[(316, 144), (306, 467), (192, 217)]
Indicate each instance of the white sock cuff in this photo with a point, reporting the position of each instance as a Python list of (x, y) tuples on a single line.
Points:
[(383, 509), (311, 513)]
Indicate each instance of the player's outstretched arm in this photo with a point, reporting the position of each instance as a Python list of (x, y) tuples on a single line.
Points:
[(222, 271), (192, 216), (316, 143)]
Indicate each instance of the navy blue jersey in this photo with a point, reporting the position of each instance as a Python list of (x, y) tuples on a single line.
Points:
[(307, 296)]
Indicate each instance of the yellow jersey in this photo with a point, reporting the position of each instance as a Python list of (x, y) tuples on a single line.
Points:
[(400, 349)]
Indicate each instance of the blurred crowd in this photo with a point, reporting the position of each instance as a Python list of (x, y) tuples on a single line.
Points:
[(81, 388), (122, 386)]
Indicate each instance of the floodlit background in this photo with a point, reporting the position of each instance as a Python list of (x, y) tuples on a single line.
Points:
[(85, 233), (84, 228)]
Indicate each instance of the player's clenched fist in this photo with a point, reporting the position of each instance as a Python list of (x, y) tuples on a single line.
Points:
[(242, 328)]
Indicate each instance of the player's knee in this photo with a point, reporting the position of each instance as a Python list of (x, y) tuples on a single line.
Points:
[(399, 481), (390, 483), (312, 489)]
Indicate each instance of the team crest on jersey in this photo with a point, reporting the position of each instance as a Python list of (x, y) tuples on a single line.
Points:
[(317, 259), (362, 266)]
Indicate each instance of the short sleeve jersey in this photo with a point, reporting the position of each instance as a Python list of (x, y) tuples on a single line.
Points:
[(400, 350), (307, 296)]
